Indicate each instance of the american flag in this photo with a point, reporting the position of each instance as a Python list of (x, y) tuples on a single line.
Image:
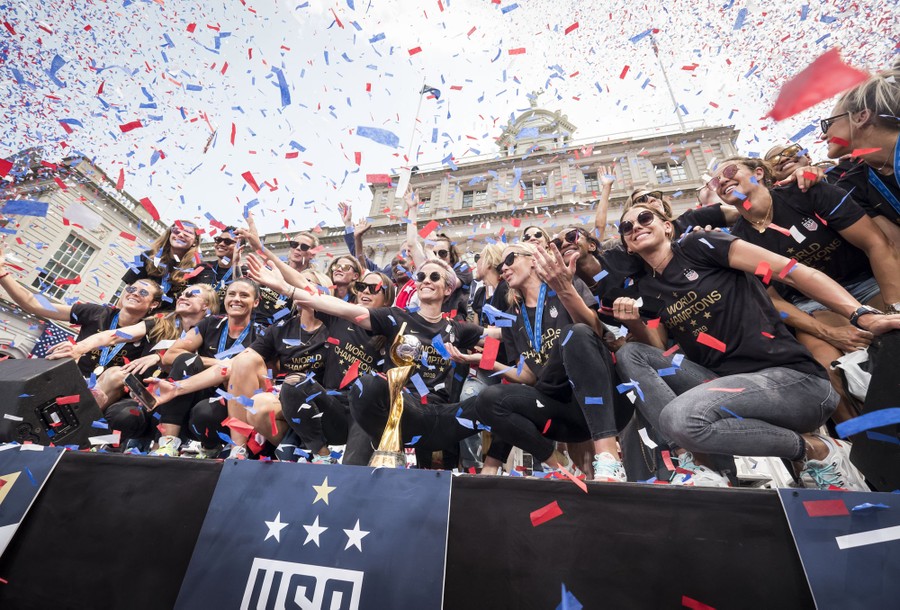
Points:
[(50, 336)]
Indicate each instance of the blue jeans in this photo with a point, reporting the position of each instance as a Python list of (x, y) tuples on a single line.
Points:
[(765, 418)]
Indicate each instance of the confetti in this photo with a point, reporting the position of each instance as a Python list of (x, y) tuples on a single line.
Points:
[(711, 342), (545, 514), (824, 78), (826, 508)]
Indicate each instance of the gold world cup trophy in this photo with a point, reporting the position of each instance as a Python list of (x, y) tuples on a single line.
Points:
[(405, 352)]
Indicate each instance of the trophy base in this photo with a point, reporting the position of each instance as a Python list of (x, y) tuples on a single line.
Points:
[(388, 459)]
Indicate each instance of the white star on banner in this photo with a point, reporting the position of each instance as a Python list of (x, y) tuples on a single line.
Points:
[(355, 536), (275, 528), (322, 491), (313, 532)]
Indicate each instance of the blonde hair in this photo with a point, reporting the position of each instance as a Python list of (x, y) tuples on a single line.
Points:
[(318, 279), (514, 297), (310, 235), (170, 326), (880, 95), (346, 257), (629, 203), (492, 254)]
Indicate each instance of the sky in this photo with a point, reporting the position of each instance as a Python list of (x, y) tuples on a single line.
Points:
[(212, 109)]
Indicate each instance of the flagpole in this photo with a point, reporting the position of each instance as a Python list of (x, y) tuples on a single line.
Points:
[(668, 85), (412, 136)]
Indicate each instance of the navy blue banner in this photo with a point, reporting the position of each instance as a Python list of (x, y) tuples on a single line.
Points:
[(23, 471), (286, 535), (849, 544)]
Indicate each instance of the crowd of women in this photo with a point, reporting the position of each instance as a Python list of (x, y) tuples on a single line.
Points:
[(693, 339)]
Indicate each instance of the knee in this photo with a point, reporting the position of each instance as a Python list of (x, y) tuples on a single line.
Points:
[(681, 424), (633, 353), (184, 365), (245, 363), (488, 404)]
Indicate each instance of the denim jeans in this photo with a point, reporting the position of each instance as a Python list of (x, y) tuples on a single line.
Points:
[(695, 410)]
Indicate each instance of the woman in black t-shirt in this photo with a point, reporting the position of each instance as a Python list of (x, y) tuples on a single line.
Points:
[(563, 377), (747, 387), (823, 228), (344, 271)]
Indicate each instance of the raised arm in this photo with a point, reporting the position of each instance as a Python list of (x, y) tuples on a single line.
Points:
[(553, 270), (606, 179), (413, 241), (25, 299)]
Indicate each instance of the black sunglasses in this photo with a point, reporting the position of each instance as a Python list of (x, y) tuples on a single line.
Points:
[(509, 260), (728, 173), (141, 291), (825, 124), (648, 196), (434, 276), (443, 253), (297, 244), (535, 235), (477, 257), (570, 237), (370, 288), (224, 240), (645, 218)]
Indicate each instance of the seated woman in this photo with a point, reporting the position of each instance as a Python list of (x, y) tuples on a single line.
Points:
[(865, 119), (539, 238), (563, 381), (787, 158), (822, 228), (173, 261), (317, 406), (208, 345), (747, 386)]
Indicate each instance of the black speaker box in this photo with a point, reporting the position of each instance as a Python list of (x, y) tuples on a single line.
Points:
[(29, 410), (878, 457)]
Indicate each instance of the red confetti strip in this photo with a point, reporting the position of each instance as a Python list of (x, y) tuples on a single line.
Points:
[(572, 28), (810, 175), (839, 141), (272, 422), (351, 374), (545, 513), (68, 400), (824, 78), (357, 158), (251, 181), (427, 229), (378, 179), (233, 132), (768, 335), (151, 209), (671, 350), (688, 602), (653, 324), (333, 341), (519, 51), (120, 183), (546, 426), (826, 508), (191, 27), (711, 342), (764, 270), (788, 268), (9, 28), (725, 389), (472, 31), (415, 50), (581, 484), (667, 460), (489, 353), (5, 166), (67, 282), (126, 127), (239, 426), (858, 152), (60, 183), (624, 72)]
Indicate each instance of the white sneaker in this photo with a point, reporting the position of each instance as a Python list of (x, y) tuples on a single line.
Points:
[(168, 446), (608, 468), (697, 476), (238, 452), (835, 470)]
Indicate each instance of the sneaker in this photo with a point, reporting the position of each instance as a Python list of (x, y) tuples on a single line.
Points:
[(690, 474), (608, 468), (835, 470), (323, 459), (207, 454), (168, 446), (238, 452)]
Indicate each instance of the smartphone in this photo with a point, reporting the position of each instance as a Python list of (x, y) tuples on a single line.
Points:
[(140, 393)]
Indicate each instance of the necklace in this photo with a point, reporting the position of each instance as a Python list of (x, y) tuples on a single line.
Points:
[(760, 225), (662, 265), (433, 320)]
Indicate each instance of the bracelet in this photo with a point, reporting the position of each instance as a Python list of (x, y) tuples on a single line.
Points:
[(293, 289), (4, 275)]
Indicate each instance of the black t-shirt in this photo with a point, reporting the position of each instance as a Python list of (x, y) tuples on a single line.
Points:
[(855, 180), (711, 215), (211, 329), (814, 219), (295, 349), (702, 294), (96, 318), (348, 343), (436, 374), (547, 364)]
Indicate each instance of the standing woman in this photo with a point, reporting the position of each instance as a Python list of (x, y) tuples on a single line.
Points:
[(494, 289), (220, 273), (822, 228), (171, 261), (747, 387), (867, 118), (563, 380), (344, 272)]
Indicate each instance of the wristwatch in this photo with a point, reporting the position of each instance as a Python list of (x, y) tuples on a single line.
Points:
[(893, 308), (863, 310)]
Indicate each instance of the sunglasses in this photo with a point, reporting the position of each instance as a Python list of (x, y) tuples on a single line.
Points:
[(645, 219), (370, 288), (443, 253), (187, 294), (343, 268), (535, 235), (297, 244), (434, 276), (570, 237), (648, 196), (825, 124), (727, 173), (509, 260), (141, 291), (477, 257), (224, 241), (785, 155)]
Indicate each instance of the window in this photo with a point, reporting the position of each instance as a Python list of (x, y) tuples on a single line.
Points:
[(669, 172), (114, 299), (528, 191), (425, 203), (591, 184), (68, 262), (468, 199), (480, 198)]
